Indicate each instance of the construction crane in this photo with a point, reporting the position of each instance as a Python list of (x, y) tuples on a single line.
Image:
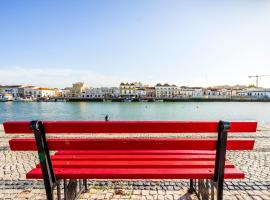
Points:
[(257, 78)]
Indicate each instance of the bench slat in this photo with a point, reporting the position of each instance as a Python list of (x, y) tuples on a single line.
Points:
[(135, 164), (131, 143), (133, 157), (129, 127), (137, 152), (137, 173)]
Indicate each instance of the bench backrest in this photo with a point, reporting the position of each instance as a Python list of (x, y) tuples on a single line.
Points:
[(79, 127), (74, 127)]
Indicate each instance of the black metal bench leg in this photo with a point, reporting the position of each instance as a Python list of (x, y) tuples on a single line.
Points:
[(191, 189), (73, 189), (49, 196), (220, 189), (85, 185), (223, 129), (65, 189), (59, 190), (44, 158)]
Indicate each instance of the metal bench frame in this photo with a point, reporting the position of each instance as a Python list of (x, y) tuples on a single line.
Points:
[(73, 188)]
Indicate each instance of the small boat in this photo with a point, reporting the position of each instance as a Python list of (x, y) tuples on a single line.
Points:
[(143, 100), (60, 100), (127, 100), (19, 99), (6, 97)]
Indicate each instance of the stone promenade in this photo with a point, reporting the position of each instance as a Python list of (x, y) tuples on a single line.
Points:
[(255, 164)]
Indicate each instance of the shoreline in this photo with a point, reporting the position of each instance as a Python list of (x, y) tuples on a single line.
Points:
[(150, 100)]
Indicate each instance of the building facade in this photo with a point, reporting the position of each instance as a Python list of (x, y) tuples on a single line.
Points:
[(28, 91), (189, 92), (77, 89), (12, 90), (131, 89), (150, 92), (45, 93), (166, 91), (103, 92), (255, 93)]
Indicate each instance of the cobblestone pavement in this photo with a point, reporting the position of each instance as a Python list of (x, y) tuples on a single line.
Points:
[(255, 164)]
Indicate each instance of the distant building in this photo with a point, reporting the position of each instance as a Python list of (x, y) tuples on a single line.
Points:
[(28, 91), (45, 93), (77, 89), (130, 89), (255, 93), (166, 91), (58, 92), (103, 92), (191, 91), (150, 92), (140, 92), (12, 90), (66, 92), (218, 92)]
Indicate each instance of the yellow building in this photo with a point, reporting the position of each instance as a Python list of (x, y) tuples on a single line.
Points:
[(77, 89)]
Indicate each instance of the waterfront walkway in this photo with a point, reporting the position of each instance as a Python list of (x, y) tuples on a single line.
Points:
[(255, 164)]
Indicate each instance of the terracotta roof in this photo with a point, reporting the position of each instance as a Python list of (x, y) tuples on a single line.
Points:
[(44, 89)]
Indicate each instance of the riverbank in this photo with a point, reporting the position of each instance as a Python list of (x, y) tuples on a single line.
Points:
[(193, 99), (203, 99), (255, 164)]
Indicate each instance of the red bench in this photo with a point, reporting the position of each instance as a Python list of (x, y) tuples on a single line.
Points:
[(201, 160)]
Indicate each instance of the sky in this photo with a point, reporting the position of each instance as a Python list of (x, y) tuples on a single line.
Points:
[(55, 43)]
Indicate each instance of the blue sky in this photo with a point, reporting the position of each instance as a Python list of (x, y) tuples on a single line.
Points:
[(57, 42)]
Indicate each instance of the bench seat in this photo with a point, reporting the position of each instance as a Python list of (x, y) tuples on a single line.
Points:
[(136, 173), (136, 163), (151, 164), (137, 152)]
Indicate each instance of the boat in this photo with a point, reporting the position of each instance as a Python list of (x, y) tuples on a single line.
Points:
[(6, 97), (127, 100), (60, 100), (159, 100), (19, 99), (143, 100)]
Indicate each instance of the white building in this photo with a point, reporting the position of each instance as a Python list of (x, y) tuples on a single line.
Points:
[(44, 93), (220, 92), (166, 91), (103, 92), (140, 92), (8, 90), (28, 91), (92, 93), (255, 93), (130, 89), (191, 91)]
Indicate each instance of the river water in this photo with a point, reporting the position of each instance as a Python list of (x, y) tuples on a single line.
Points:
[(259, 111)]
